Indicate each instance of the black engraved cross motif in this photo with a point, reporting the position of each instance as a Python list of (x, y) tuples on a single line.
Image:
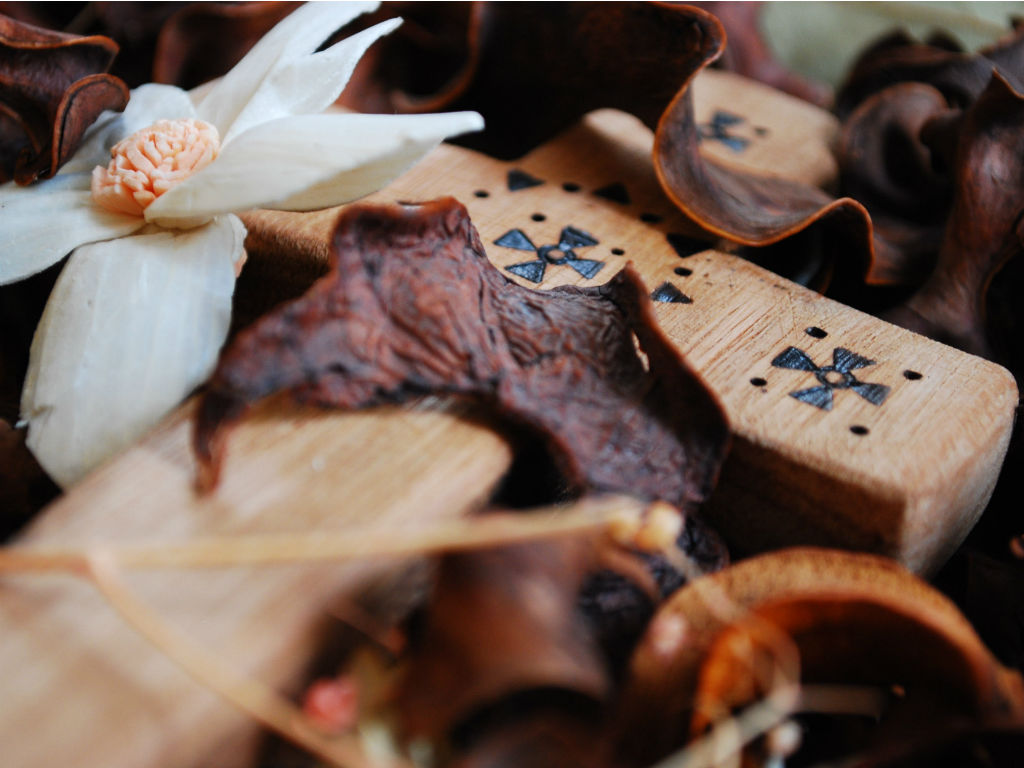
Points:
[(717, 129), (562, 252), (831, 377)]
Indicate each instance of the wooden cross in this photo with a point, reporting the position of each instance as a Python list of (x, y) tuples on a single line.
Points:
[(847, 431)]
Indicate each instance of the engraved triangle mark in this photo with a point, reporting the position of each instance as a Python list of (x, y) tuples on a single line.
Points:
[(521, 180), (668, 293)]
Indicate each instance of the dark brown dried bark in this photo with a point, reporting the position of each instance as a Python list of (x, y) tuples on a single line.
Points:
[(885, 164), (52, 88), (413, 306), (24, 487)]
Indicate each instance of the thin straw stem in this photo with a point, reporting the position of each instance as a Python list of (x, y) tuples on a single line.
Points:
[(249, 695), (270, 549)]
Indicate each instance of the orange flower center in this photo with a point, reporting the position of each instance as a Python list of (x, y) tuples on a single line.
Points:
[(149, 162)]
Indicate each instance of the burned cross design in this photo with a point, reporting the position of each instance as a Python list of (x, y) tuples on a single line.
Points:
[(562, 252), (831, 377)]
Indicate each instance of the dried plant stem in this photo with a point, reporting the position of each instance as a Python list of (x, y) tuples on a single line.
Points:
[(102, 564), (269, 549), (727, 738), (251, 696)]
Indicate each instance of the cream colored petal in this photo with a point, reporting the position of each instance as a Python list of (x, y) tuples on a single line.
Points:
[(44, 222), (148, 103), (297, 35), (308, 84), (312, 161), (132, 326)]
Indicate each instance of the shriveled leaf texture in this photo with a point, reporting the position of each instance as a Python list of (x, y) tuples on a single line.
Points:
[(52, 87), (532, 70), (413, 306)]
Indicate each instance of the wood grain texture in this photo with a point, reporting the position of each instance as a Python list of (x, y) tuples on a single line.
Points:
[(92, 693), (88, 691)]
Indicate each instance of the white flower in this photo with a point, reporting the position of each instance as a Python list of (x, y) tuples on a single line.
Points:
[(142, 307)]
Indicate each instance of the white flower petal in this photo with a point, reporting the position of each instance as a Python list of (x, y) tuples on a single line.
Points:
[(297, 35), (44, 222), (308, 84), (148, 103), (132, 326), (306, 162)]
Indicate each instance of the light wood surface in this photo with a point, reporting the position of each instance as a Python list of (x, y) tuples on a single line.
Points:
[(906, 477), (89, 692), (82, 689)]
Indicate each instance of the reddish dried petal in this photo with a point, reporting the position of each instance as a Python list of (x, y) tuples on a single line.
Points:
[(52, 88), (413, 306)]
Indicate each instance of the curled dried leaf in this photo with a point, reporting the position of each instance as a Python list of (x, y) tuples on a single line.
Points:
[(178, 43), (413, 306), (810, 590), (959, 76), (533, 70), (886, 165), (984, 233), (52, 87)]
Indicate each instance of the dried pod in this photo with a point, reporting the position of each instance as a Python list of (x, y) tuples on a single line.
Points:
[(52, 88), (412, 306), (855, 594)]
